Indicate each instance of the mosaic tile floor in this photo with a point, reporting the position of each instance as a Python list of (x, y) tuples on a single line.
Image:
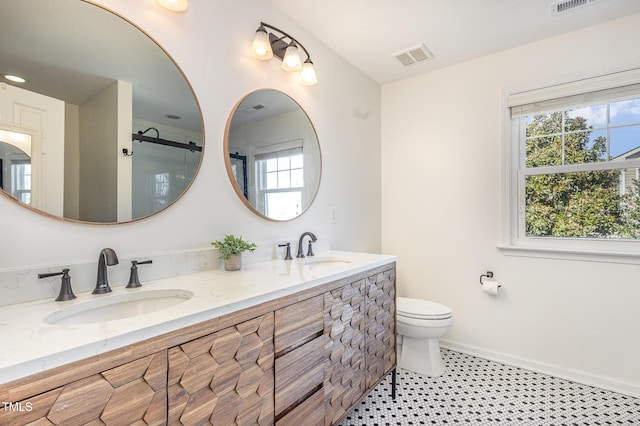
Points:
[(480, 392)]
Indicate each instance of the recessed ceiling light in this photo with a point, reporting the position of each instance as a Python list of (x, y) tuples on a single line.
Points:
[(172, 116), (15, 78)]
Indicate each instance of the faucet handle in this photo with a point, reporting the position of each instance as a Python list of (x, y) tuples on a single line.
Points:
[(310, 249), (287, 255), (134, 281), (66, 292)]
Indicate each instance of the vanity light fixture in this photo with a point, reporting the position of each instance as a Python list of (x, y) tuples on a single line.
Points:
[(284, 47), (174, 5)]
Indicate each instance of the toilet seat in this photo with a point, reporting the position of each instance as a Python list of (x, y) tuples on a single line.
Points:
[(421, 309)]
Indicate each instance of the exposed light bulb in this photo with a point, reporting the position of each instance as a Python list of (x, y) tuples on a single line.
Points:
[(261, 47), (174, 5), (308, 74), (291, 60)]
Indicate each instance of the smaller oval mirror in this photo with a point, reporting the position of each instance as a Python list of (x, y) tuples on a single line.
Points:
[(272, 155)]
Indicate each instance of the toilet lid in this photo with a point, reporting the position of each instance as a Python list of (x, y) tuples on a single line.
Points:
[(421, 309)]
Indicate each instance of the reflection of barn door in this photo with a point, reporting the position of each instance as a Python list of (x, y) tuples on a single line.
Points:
[(43, 117)]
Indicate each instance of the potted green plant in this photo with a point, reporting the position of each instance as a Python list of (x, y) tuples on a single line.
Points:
[(231, 249)]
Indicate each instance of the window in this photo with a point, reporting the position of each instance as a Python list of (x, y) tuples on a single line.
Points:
[(574, 155), (161, 187), (280, 180), (21, 180)]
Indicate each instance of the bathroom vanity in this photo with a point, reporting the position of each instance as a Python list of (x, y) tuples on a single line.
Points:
[(280, 342)]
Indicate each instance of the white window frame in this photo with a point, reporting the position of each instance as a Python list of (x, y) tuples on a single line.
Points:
[(18, 193), (514, 242), (261, 153)]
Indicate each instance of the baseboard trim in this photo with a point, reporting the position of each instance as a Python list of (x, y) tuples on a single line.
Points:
[(626, 388)]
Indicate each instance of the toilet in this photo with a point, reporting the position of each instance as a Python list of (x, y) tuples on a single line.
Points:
[(420, 323)]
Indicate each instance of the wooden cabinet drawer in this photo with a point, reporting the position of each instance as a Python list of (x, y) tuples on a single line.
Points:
[(298, 323), (298, 373), (308, 413)]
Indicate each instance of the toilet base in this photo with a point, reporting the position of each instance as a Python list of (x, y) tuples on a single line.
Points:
[(421, 356)]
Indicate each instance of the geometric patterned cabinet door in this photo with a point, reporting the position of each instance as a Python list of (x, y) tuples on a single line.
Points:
[(224, 378), (133, 393), (344, 323), (380, 334)]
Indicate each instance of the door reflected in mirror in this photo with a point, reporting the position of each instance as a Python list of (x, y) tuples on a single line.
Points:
[(273, 155), (116, 130)]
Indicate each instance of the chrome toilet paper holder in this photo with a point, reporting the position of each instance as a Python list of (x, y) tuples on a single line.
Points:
[(489, 274)]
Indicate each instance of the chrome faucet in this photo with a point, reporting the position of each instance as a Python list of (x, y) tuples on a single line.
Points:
[(313, 240), (106, 258)]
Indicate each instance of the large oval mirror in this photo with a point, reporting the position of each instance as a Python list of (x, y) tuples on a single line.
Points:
[(105, 129), (273, 155)]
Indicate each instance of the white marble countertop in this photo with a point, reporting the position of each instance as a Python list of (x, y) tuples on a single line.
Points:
[(29, 345)]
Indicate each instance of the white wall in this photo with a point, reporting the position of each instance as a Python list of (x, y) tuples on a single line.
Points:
[(211, 43), (441, 215), (71, 161), (99, 156)]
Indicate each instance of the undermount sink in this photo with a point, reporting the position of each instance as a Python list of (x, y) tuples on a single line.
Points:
[(326, 260), (117, 306)]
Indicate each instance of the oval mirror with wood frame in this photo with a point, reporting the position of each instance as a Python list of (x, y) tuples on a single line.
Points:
[(272, 155), (105, 128)]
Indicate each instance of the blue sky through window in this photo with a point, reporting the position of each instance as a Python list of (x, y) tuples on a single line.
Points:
[(623, 118)]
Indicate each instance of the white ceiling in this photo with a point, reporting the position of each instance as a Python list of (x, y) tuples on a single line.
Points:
[(367, 32), (364, 32)]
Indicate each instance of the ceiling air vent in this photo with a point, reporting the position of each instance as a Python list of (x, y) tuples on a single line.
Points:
[(413, 55), (566, 5), (253, 108)]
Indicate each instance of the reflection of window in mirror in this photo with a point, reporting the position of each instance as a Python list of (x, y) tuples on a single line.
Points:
[(161, 192), (21, 180), (280, 181)]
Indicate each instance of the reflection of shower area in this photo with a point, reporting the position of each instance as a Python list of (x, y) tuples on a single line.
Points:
[(162, 169), (239, 170)]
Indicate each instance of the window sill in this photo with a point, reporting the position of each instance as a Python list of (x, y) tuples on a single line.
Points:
[(632, 258)]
